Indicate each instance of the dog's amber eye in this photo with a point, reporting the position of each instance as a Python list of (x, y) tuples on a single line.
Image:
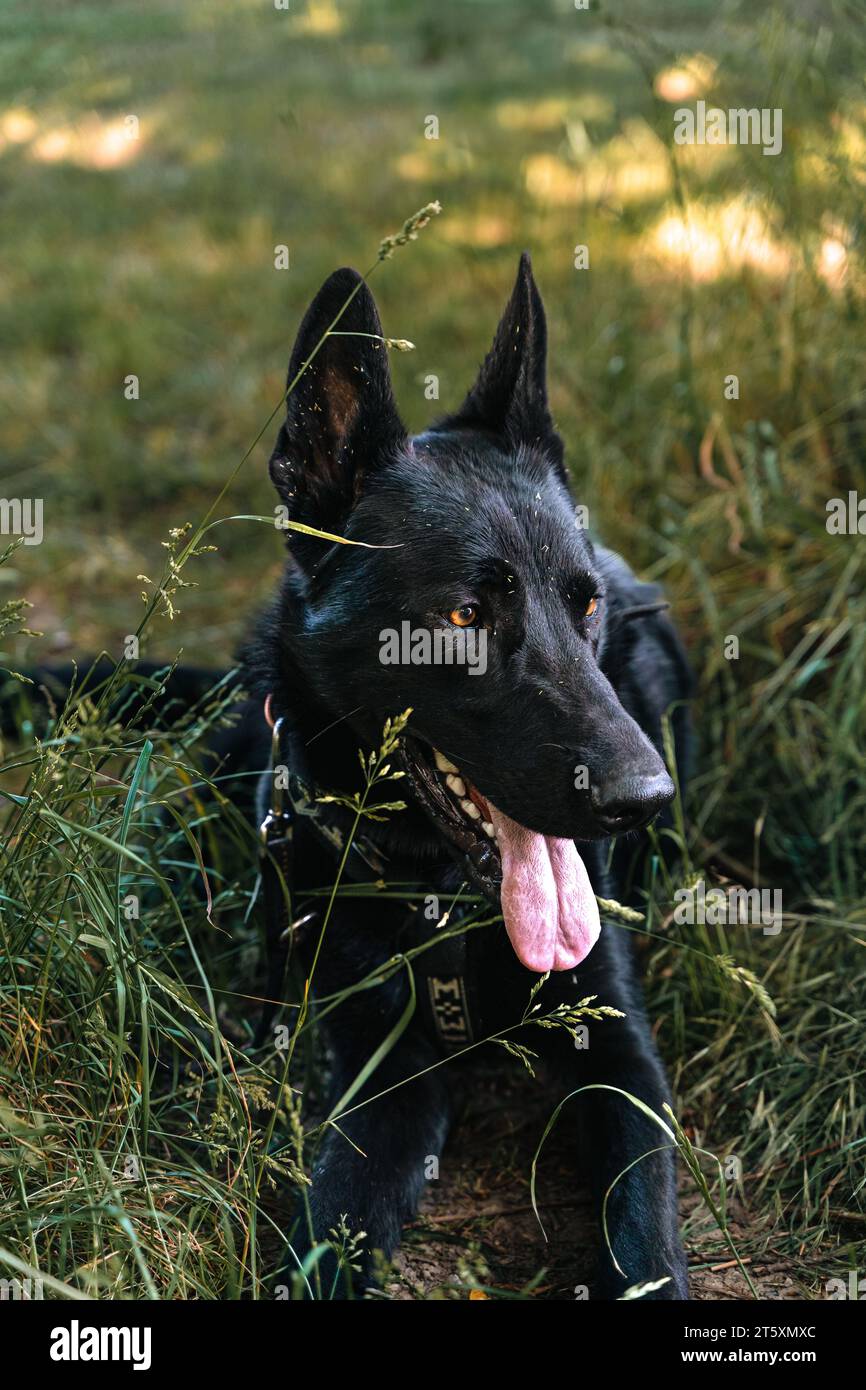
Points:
[(464, 616), (591, 608)]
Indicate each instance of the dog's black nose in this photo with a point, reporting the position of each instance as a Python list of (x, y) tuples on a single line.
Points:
[(626, 802)]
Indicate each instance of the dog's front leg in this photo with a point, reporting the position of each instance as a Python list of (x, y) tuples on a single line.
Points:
[(640, 1215), (373, 1163), (641, 1211)]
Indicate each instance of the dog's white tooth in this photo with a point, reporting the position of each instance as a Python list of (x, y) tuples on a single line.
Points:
[(487, 827), (442, 762), (471, 809), (455, 784)]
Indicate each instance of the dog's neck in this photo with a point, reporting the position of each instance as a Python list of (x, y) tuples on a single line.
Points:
[(325, 737)]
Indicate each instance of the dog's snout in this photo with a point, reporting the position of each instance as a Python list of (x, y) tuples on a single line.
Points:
[(626, 802)]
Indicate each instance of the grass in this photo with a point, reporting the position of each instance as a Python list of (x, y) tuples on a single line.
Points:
[(135, 1115)]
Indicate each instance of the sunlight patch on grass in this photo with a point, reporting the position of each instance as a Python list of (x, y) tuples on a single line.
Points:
[(687, 81), (713, 241), (551, 180), (17, 126), (434, 160), (92, 143), (482, 229), (553, 113), (832, 263), (851, 133), (321, 18), (415, 165), (628, 169)]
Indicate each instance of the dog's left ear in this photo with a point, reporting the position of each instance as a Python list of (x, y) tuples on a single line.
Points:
[(341, 419), (509, 397)]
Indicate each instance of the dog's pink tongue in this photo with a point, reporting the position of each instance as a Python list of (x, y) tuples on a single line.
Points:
[(549, 908)]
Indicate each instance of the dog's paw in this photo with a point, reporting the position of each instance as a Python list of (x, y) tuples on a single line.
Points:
[(659, 1286)]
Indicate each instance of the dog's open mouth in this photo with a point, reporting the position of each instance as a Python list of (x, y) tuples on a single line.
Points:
[(540, 882)]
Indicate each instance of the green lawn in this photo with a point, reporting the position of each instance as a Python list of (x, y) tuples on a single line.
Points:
[(154, 257)]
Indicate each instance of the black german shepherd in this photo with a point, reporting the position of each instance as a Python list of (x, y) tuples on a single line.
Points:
[(518, 778), (519, 772)]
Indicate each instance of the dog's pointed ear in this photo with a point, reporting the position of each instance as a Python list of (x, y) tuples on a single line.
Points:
[(510, 394), (341, 419)]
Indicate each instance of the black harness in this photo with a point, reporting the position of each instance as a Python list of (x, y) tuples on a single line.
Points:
[(446, 999)]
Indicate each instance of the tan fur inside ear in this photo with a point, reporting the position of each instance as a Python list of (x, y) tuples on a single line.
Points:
[(343, 401), (338, 400)]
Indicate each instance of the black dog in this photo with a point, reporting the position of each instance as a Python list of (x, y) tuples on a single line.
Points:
[(470, 525)]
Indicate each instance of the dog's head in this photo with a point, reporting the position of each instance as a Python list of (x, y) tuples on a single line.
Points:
[(518, 744)]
